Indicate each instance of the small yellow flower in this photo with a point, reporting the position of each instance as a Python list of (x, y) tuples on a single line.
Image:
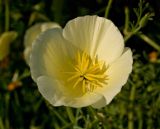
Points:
[(32, 33), (5, 39), (83, 64)]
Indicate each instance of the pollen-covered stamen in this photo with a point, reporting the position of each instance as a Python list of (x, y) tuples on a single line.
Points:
[(88, 73)]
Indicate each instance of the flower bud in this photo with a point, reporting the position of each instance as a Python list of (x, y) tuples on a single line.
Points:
[(5, 39)]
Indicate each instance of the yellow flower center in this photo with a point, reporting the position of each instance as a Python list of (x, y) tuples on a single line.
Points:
[(88, 73)]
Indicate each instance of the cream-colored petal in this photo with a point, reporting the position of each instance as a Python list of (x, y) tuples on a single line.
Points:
[(83, 101), (53, 92), (112, 44), (118, 73), (95, 35), (100, 103), (35, 30), (32, 33), (50, 90), (26, 53), (48, 25), (50, 54)]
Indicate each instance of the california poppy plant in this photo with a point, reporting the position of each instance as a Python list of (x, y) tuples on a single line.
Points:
[(83, 64)]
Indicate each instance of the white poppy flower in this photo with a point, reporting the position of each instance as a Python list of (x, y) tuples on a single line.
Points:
[(83, 64), (32, 33)]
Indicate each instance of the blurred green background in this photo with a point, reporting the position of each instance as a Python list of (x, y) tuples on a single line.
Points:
[(137, 106)]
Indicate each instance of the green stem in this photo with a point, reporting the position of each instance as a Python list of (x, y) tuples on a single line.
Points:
[(70, 114), (60, 117), (130, 34), (78, 111), (131, 105), (140, 12), (108, 8), (6, 15), (149, 41), (149, 120), (1, 124), (69, 126), (140, 118), (7, 99), (56, 126), (126, 26), (0, 16), (25, 75), (0, 6), (92, 111)]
